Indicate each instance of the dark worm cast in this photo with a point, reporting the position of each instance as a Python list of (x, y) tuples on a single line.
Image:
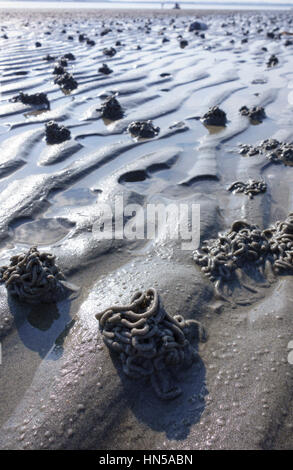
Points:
[(148, 340), (33, 277), (223, 259), (250, 188), (274, 150)]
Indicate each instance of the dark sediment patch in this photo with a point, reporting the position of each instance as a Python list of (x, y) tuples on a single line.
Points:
[(56, 134), (256, 113), (63, 62), (105, 31), (49, 58), (111, 109), (214, 117), (143, 129), (274, 151), (110, 52), (183, 43), (36, 99), (105, 69), (21, 73), (59, 69), (273, 60), (82, 37), (66, 82), (197, 26), (288, 42), (68, 56)]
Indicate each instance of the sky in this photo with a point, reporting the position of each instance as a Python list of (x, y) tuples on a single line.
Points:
[(214, 1), (276, 2), (158, 3)]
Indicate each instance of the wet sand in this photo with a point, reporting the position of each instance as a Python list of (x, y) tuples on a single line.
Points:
[(59, 386)]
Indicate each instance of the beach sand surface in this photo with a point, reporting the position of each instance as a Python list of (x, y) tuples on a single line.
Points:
[(60, 388)]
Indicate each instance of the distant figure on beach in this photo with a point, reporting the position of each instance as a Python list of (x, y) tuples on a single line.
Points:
[(176, 6)]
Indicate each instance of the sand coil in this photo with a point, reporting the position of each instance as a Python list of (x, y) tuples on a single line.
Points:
[(147, 339), (33, 277), (222, 258)]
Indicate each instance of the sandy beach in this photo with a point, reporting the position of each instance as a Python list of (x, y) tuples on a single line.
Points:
[(61, 387)]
